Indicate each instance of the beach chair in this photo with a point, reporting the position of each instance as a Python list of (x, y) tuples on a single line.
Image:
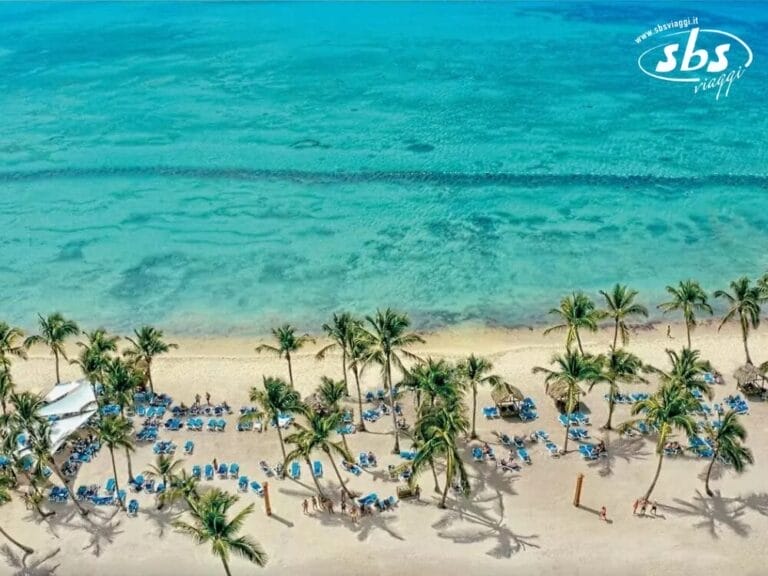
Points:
[(563, 419), (642, 427), (265, 468), (256, 487), (138, 483), (526, 415), (110, 487), (542, 436), (490, 412), (82, 493), (212, 423), (477, 454), (242, 484), (223, 470), (234, 470), (189, 447), (369, 397), (506, 440), (351, 468), (588, 452), (317, 469), (346, 429), (391, 502), (362, 459), (209, 472), (141, 410), (196, 472), (133, 507), (408, 454), (552, 448), (295, 472), (221, 424), (523, 455)]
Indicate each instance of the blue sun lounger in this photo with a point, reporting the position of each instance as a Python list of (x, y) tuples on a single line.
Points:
[(256, 487), (552, 449), (189, 447), (362, 459), (223, 470), (133, 507), (317, 469), (477, 454), (369, 500), (408, 454), (196, 472), (110, 487), (351, 468), (588, 452), (295, 470), (234, 470), (242, 484), (523, 454), (209, 472)]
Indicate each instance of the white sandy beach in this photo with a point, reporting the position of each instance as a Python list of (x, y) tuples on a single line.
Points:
[(522, 523)]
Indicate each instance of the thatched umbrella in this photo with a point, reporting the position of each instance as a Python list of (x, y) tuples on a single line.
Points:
[(506, 397), (750, 380)]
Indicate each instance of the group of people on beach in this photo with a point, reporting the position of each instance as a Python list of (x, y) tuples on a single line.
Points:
[(348, 506), (642, 503)]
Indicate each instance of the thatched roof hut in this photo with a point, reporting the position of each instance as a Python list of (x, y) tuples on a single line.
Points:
[(750, 380), (506, 397)]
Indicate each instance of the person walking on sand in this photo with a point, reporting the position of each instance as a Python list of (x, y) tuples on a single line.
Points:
[(635, 505), (343, 506), (305, 506), (314, 503), (653, 509), (669, 331), (208, 398), (642, 508), (215, 465), (603, 514), (329, 506)]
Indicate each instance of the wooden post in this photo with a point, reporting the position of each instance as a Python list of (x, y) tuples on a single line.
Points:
[(577, 493), (267, 505)]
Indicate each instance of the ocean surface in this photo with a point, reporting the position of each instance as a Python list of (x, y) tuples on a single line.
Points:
[(217, 168)]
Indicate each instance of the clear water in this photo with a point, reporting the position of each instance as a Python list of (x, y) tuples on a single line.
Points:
[(213, 168)]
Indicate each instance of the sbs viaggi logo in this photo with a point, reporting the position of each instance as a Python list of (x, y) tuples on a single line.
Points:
[(712, 60)]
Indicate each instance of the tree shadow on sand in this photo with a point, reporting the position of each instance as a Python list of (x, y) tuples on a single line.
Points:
[(623, 448), (480, 519), (101, 525), (29, 565), (718, 513)]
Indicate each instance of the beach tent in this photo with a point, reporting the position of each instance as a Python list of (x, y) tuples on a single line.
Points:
[(507, 397), (750, 380)]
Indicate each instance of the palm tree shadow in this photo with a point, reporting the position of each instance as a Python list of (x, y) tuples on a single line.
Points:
[(624, 448), (715, 513), (487, 516), (161, 518), (24, 567), (102, 528), (718, 471)]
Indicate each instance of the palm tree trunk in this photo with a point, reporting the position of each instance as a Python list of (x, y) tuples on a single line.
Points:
[(344, 370), (117, 484), (361, 425), (338, 475), (615, 333), (688, 333), (578, 341), (56, 357), (290, 368), (655, 477), (149, 377), (388, 380), (744, 337), (130, 466), (27, 550), (282, 446), (473, 435), (611, 404), (709, 473), (314, 478), (567, 430), (434, 475), (445, 489), (83, 511), (5, 409), (226, 567)]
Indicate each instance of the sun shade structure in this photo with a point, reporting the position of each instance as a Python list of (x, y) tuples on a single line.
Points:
[(506, 397), (750, 380), (68, 406)]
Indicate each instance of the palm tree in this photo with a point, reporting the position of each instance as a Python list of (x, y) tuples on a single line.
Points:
[(744, 302), (182, 486), (54, 331), (6, 386), (42, 448), (331, 393), (9, 433), (95, 356), (439, 427), (287, 342), (276, 398), (670, 408), (689, 297), (166, 468), (620, 305), (11, 343), (564, 382), (687, 371), (474, 371), (146, 346), (341, 331), (26, 411), (317, 436), (115, 432), (6, 483), (576, 311), (619, 366), (359, 356), (387, 336), (726, 440), (433, 379), (121, 382), (210, 525)]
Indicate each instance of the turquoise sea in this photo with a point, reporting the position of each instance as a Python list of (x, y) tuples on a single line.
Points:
[(215, 168)]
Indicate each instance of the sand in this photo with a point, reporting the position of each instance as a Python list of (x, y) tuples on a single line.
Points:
[(521, 523)]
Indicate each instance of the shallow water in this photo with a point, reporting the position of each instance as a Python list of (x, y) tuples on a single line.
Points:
[(213, 168)]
